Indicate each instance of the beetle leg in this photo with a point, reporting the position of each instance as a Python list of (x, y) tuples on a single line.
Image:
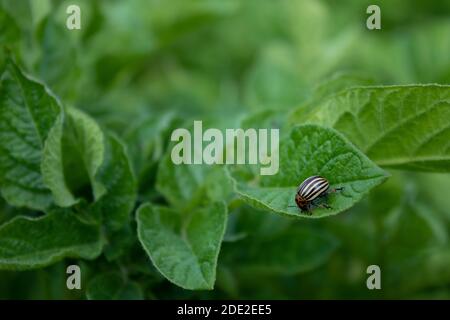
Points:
[(308, 210), (323, 205)]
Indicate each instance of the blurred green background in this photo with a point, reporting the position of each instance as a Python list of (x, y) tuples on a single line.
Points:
[(137, 64)]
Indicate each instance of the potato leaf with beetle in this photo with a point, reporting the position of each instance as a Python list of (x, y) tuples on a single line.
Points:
[(311, 150)]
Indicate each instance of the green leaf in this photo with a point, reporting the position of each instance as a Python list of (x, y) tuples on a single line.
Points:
[(340, 81), (186, 186), (52, 166), (28, 243), (87, 139), (112, 286), (27, 113), (311, 150), (72, 157), (117, 177), (295, 250), (180, 184), (183, 246), (403, 127)]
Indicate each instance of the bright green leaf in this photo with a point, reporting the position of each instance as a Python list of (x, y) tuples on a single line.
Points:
[(312, 150), (183, 246), (74, 149), (28, 243), (52, 166), (338, 82), (403, 127)]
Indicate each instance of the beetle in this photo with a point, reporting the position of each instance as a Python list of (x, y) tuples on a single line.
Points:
[(310, 191)]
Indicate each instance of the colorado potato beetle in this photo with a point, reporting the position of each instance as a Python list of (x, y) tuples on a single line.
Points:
[(310, 191)]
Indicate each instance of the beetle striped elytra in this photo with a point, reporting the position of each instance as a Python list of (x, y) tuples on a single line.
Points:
[(310, 191)]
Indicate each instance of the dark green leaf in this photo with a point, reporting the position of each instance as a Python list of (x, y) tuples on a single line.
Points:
[(28, 243), (27, 113), (112, 286), (116, 176), (295, 250)]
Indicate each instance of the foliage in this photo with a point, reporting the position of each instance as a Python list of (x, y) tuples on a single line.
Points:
[(85, 170)]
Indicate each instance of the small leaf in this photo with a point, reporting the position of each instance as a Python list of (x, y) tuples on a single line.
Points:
[(183, 247), (27, 113), (72, 156), (87, 139), (311, 150), (52, 166), (112, 286), (402, 127), (28, 243)]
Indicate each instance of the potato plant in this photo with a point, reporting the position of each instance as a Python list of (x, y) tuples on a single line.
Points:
[(87, 178)]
